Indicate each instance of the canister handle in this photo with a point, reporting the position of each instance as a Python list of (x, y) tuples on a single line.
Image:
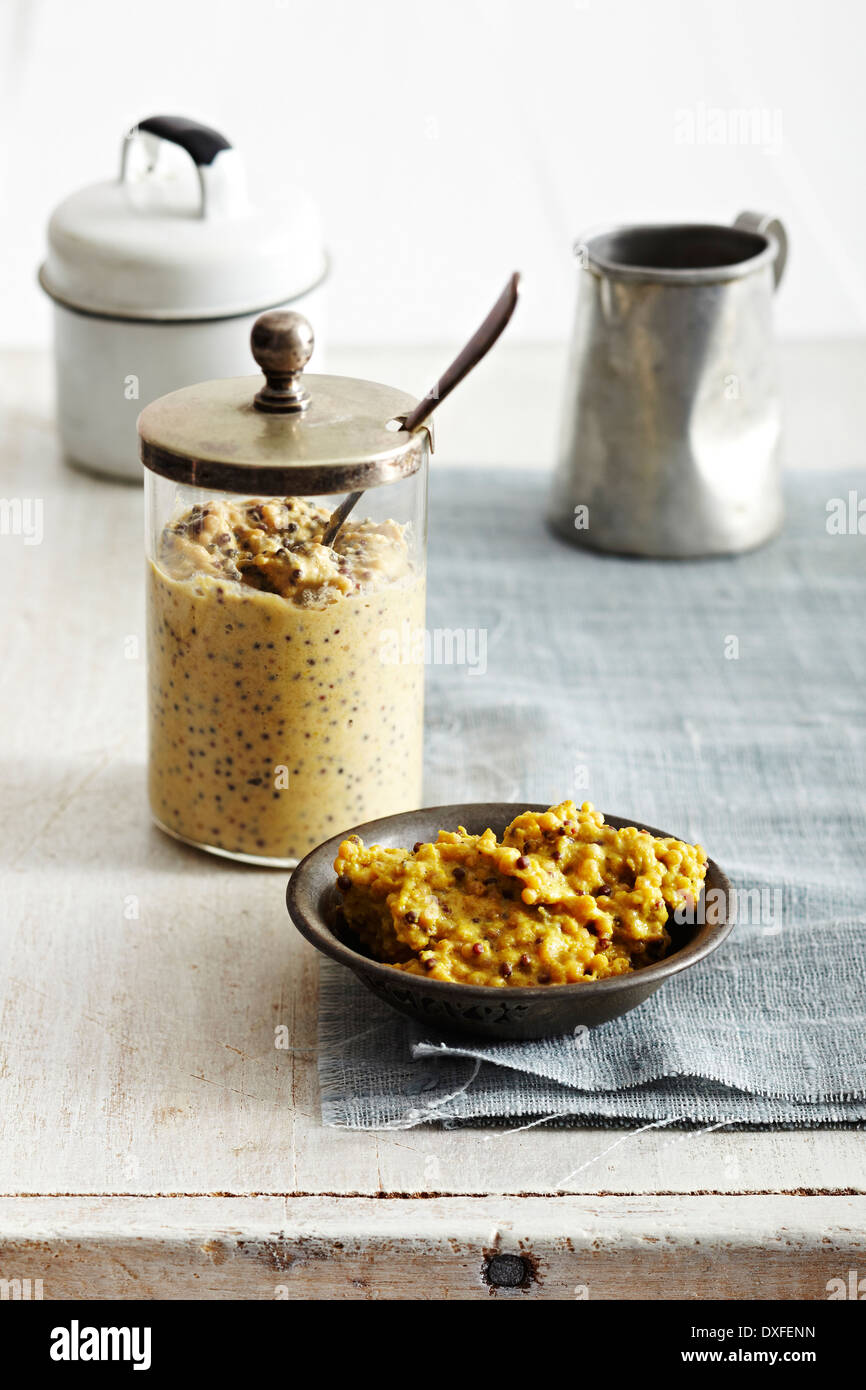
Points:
[(764, 223), (220, 174)]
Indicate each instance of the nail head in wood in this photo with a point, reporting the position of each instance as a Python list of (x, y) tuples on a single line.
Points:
[(507, 1272)]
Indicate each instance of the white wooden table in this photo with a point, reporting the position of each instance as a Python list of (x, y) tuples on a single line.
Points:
[(153, 1140)]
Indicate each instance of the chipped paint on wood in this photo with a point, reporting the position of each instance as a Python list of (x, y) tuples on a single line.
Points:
[(356, 1248)]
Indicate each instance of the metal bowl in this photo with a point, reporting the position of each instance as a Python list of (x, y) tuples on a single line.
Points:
[(521, 1011)]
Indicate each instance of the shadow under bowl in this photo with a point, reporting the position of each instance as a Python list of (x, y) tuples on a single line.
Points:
[(510, 1012)]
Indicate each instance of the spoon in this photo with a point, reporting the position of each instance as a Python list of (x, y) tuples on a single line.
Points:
[(479, 345)]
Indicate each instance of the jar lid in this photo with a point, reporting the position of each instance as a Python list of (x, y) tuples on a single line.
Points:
[(293, 435), (175, 238)]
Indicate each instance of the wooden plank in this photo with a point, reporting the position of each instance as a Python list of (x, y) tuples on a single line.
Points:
[(570, 1248)]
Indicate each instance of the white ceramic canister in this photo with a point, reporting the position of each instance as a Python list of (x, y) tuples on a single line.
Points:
[(157, 278)]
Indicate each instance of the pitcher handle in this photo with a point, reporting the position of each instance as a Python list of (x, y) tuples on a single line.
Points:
[(764, 223)]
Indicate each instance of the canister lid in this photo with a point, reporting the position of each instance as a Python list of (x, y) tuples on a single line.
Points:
[(175, 237), (289, 434)]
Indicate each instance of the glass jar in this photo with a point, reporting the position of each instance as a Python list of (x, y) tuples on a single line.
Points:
[(285, 674)]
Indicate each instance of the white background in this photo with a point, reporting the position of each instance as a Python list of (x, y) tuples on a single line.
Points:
[(450, 142)]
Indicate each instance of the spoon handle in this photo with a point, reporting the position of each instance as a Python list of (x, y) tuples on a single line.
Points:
[(338, 516), (479, 344)]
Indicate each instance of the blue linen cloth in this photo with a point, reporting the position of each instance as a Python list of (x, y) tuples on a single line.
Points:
[(722, 700)]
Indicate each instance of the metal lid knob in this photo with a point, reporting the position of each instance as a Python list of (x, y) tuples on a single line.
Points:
[(282, 344)]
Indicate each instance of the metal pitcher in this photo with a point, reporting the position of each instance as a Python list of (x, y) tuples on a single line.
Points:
[(672, 422)]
